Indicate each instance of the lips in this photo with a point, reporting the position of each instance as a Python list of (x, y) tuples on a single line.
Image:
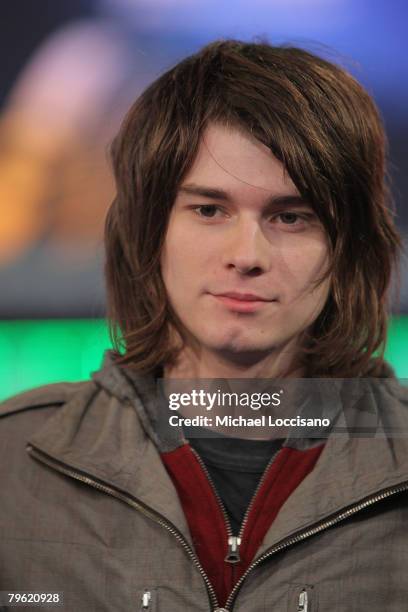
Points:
[(244, 297), (242, 302)]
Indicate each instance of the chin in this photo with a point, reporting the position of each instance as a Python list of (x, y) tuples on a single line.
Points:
[(239, 346)]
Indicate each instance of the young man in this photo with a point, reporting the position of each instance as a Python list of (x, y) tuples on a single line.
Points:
[(251, 238)]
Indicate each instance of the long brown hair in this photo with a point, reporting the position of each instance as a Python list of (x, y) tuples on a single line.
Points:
[(326, 130)]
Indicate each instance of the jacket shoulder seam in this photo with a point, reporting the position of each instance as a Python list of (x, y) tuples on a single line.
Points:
[(55, 394)]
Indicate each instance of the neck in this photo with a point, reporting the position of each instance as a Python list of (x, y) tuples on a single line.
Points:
[(193, 364)]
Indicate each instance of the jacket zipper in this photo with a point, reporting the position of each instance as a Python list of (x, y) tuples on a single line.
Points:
[(172, 529), (233, 545), (251, 503), (303, 601), (44, 458), (310, 532), (146, 597), (234, 542)]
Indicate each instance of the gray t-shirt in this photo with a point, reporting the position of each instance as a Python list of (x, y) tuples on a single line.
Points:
[(235, 466)]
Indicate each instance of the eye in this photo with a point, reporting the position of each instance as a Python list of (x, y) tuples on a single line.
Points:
[(289, 218), (207, 211), (295, 220)]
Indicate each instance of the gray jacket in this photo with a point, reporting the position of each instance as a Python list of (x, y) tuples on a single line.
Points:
[(88, 509)]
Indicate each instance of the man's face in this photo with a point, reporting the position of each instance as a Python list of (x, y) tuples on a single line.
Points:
[(239, 227)]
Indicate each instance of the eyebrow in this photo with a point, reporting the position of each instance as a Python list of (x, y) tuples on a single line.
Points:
[(219, 194)]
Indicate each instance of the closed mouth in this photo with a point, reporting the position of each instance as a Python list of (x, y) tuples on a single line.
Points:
[(245, 303), (243, 297)]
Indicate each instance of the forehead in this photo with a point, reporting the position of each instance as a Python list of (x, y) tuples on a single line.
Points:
[(232, 158)]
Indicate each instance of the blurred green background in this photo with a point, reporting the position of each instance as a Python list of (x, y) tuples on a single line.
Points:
[(34, 353)]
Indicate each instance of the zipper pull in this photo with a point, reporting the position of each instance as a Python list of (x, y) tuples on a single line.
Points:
[(233, 550), (302, 604), (146, 597)]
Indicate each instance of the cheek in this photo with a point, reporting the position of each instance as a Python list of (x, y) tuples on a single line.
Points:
[(184, 261), (185, 250), (303, 266)]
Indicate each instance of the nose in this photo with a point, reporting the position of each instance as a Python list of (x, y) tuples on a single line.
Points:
[(247, 250)]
